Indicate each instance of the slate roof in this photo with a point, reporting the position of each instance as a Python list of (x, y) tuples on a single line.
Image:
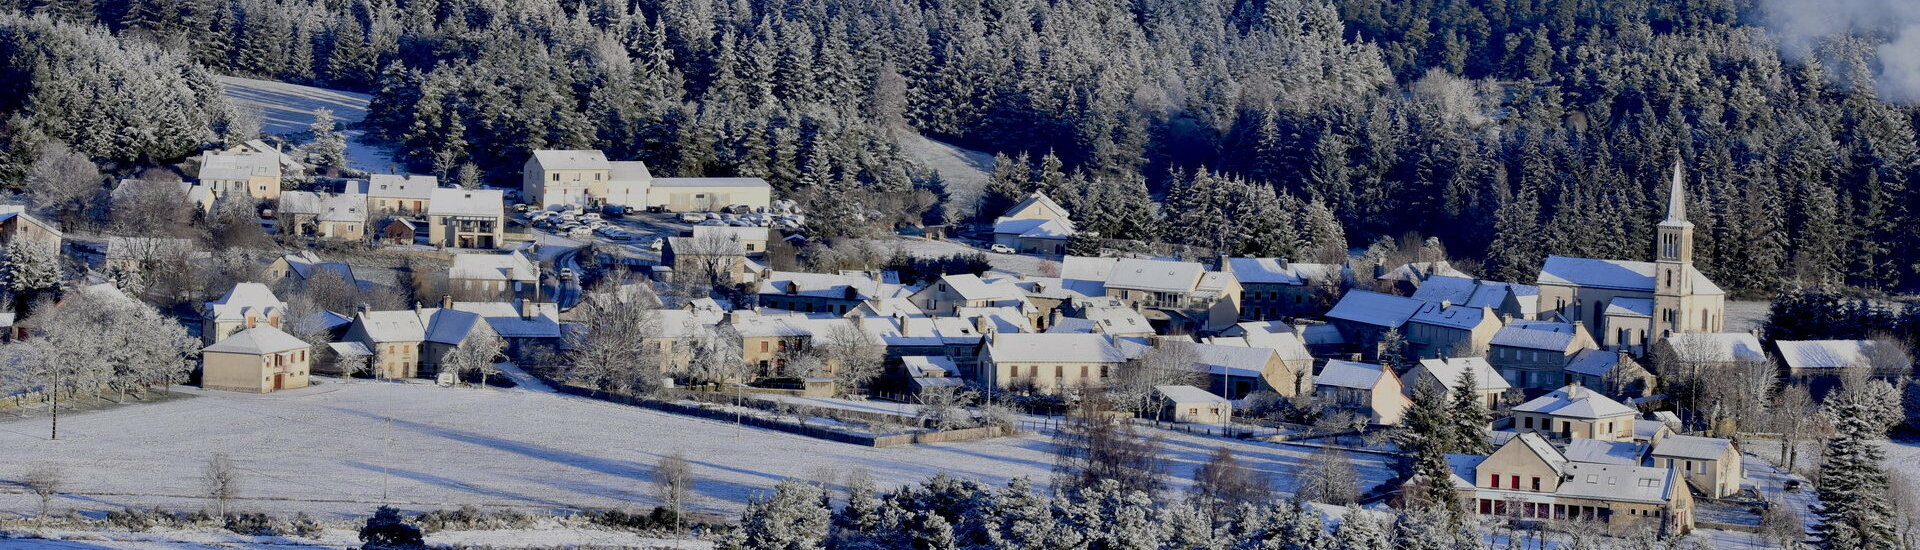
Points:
[(1693, 447), (222, 165), (1621, 306), (1613, 274), (1826, 354), (505, 319), (1644, 429), (1540, 335), (1421, 271), (1155, 275), (1617, 482), (1470, 292), (1375, 309), (1593, 362), (1349, 374), (1454, 317), (451, 201), (573, 159), (629, 170), (258, 340), (828, 285), (1279, 271), (1188, 394), (971, 287), (1054, 348), (242, 300), (1718, 347), (511, 266), (1534, 442), (710, 182), (1032, 228), (394, 186), (1575, 401), (327, 207), (1597, 451), (921, 366), (1255, 334), (1040, 199), (1447, 371), (444, 326)]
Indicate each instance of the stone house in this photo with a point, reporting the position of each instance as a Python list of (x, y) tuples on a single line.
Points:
[(1445, 374), (254, 174), (1445, 330), (1527, 478), (493, 276), (409, 343), (1175, 296), (245, 306), (466, 218), (1711, 465), (259, 360), (1575, 412), (1371, 390), (1191, 405), (341, 216), (1535, 354), (1048, 363), (399, 195), (1274, 288)]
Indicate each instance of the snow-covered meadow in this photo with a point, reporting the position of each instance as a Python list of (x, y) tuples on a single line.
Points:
[(289, 109), (338, 449)]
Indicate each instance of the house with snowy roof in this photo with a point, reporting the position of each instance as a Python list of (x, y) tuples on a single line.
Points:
[(1632, 304), (1286, 344), (254, 174), (1822, 364), (340, 216), (245, 306), (524, 324), (1710, 464), (1535, 354), (1614, 373), (804, 292), (259, 360), (19, 225), (1574, 412), (1715, 349), (1445, 374), (304, 264), (410, 343), (399, 195), (967, 290), (1274, 288), (584, 177), (1099, 316), (477, 276), (1191, 405), (1508, 300), (1363, 317), (1368, 389), (466, 218), (1176, 296), (1526, 477), (1035, 225), (1048, 363), (1444, 329)]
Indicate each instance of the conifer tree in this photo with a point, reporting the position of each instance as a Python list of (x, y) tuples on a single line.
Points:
[(1468, 415), (1854, 511), (329, 147)]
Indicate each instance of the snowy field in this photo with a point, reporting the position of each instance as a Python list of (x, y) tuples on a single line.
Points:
[(548, 536), (963, 170), (340, 448), (289, 108), (1012, 263)]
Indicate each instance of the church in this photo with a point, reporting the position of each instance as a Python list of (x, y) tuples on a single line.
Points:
[(1629, 305)]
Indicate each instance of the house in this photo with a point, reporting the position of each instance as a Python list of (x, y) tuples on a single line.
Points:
[(493, 276), (1651, 432), (1718, 349), (1286, 344), (1191, 405), (552, 178), (466, 218), (967, 290), (341, 216), (409, 343), (1822, 364), (1508, 300), (304, 265), (709, 194), (1711, 465), (1274, 288), (1035, 225), (259, 360), (821, 292), (1048, 363), (753, 240), (1574, 412), (1363, 317), (1176, 296), (1371, 390), (1037, 206), (396, 231), (524, 324), (1108, 316), (1236, 371), (768, 341), (245, 306), (253, 174), (1631, 305), (1535, 354), (926, 372), (1445, 374), (399, 195), (678, 333), (1527, 478), (1409, 277), (1614, 373), (200, 196), (1444, 329), (18, 225)]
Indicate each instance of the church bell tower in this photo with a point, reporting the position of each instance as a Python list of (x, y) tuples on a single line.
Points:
[(1673, 261)]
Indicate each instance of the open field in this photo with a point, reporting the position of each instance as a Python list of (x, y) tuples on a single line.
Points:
[(289, 108), (340, 448)]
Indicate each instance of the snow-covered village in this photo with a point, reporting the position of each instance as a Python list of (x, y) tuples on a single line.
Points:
[(952, 274)]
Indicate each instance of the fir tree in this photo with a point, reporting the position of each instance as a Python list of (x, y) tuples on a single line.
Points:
[(1854, 511), (329, 147), (1468, 415), (792, 518), (1359, 530)]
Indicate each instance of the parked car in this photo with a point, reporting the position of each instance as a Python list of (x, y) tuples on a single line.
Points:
[(693, 217), (522, 207), (1001, 248), (566, 273)]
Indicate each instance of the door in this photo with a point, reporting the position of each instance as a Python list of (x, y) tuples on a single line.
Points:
[(279, 381)]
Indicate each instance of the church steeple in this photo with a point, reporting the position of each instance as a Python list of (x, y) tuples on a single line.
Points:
[(1676, 233), (1676, 199)]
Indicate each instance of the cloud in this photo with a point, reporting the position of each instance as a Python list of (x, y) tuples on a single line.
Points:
[(1894, 25)]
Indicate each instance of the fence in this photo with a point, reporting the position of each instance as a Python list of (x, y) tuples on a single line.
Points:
[(796, 428)]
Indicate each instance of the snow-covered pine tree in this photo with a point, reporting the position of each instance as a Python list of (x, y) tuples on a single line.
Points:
[(1854, 510), (789, 519), (328, 148), (1362, 530), (1469, 415), (30, 269)]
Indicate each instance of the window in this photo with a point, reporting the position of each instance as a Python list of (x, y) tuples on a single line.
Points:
[(1527, 422), (1059, 371), (1495, 479), (1593, 478), (763, 347), (556, 176), (1514, 480), (1536, 484)]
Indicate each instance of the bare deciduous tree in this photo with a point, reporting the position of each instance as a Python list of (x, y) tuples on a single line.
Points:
[(673, 478), (608, 351), (477, 354), (221, 481), (62, 179), (1096, 445), (44, 481), (1330, 478), (1222, 483), (855, 357), (944, 407), (1168, 363)]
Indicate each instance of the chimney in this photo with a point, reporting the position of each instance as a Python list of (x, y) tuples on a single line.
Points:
[(416, 306), (793, 288), (1053, 318), (905, 323), (1222, 266), (526, 309), (363, 308), (982, 325), (1300, 329), (1282, 261), (446, 301)]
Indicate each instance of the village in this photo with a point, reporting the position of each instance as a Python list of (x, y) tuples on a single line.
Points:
[(704, 300)]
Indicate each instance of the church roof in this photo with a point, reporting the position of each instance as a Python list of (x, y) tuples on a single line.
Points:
[(1677, 200), (1613, 275)]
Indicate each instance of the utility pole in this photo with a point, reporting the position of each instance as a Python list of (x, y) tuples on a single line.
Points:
[(56, 402)]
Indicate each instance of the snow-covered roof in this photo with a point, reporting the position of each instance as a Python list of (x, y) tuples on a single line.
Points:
[(1717, 347), (224, 165), (1451, 316), (1086, 268), (1622, 306), (1539, 446), (1040, 199), (511, 266), (1376, 309), (1593, 362), (1464, 291), (395, 186), (453, 201), (1003, 319), (350, 349), (971, 287), (245, 299), (257, 341), (1032, 228), (571, 159), (1054, 348), (828, 285), (1575, 401), (1694, 447), (1617, 482), (629, 170), (1447, 372), (710, 182), (1421, 271), (1600, 451), (323, 320), (1613, 274), (1155, 275), (1644, 429), (437, 325), (1322, 335), (1232, 360), (328, 207), (1188, 394), (1257, 334), (1540, 335), (921, 366), (1279, 271), (741, 234), (505, 318), (1350, 374), (1826, 354)]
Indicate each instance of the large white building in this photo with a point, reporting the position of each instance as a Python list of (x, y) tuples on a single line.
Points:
[(555, 178)]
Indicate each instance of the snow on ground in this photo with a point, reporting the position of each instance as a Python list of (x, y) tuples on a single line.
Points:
[(1014, 263), (1746, 315), (289, 109), (1903, 460), (336, 448), (963, 170), (547, 536)]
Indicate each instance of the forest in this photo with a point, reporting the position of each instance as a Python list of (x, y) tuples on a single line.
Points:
[(1507, 129)]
